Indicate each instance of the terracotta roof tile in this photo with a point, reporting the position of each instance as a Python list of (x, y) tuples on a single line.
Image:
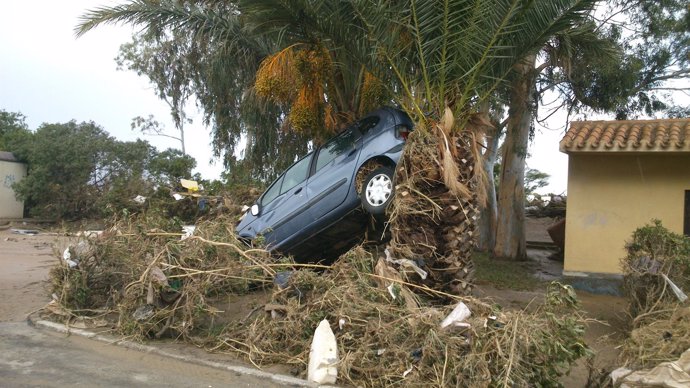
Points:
[(671, 135)]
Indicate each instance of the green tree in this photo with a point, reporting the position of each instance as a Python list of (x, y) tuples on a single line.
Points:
[(167, 167), (12, 124)]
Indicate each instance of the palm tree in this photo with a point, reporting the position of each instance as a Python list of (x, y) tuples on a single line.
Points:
[(439, 60)]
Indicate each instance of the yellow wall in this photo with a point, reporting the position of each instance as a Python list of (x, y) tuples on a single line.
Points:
[(609, 196), (10, 172)]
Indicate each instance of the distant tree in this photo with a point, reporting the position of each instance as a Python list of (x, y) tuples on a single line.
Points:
[(534, 180), (157, 56), (11, 124), (77, 170), (167, 167)]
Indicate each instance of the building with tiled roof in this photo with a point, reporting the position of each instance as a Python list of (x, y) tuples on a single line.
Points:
[(621, 175), (11, 171)]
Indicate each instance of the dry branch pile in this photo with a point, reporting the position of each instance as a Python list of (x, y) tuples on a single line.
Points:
[(657, 260), (158, 284), (385, 341)]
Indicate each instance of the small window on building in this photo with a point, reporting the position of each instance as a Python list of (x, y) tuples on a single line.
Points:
[(686, 214)]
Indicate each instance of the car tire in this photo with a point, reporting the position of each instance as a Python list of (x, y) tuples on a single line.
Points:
[(378, 190)]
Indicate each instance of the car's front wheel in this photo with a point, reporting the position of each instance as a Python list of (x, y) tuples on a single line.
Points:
[(377, 190)]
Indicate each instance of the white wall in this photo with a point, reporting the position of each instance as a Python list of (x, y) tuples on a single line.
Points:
[(10, 172)]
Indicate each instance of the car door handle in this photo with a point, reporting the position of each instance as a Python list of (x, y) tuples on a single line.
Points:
[(352, 152), (298, 191)]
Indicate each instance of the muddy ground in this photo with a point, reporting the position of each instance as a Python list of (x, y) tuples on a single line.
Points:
[(26, 261)]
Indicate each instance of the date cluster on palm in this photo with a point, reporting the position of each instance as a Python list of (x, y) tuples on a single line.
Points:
[(433, 217)]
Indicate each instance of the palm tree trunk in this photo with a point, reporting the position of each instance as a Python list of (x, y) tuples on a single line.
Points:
[(510, 228)]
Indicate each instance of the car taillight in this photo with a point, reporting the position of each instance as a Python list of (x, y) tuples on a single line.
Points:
[(402, 131)]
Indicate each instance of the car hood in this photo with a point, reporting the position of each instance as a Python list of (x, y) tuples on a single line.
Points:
[(244, 227)]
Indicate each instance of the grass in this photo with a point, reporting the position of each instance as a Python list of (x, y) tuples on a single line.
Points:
[(505, 274)]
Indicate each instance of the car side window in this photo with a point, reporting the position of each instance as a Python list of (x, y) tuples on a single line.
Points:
[(296, 174), (272, 192), (368, 123), (342, 143)]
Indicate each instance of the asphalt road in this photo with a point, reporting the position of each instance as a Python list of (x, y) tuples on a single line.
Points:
[(32, 357), (35, 357)]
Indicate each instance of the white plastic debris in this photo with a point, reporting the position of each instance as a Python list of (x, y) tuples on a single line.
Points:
[(676, 290), (380, 351), (139, 199), (406, 263), (67, 256), (323, 356), (178, 196), (25, 232), (188, 231), (391, 290), (89, 233), (341, 323), (619, 373), (407, 372), (457, 316)]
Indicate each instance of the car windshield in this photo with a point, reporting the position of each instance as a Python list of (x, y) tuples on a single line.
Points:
[(296, 174)]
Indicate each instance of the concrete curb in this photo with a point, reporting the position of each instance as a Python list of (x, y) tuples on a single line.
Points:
[(277, 378)]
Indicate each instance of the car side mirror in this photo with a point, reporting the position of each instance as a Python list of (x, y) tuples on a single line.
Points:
[(255, 210)]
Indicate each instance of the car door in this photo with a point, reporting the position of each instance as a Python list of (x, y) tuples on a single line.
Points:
[(333, 172), (284, 207)]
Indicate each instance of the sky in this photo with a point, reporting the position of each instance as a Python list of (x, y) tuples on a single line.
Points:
[(51, 76)]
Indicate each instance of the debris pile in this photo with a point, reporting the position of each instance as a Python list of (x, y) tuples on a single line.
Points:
[(387, 335), (158, 276), (656, 279)]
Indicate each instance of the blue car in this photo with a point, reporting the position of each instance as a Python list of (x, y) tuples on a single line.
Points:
[(352, 172)]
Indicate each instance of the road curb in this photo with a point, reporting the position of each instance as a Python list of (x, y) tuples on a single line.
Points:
[(277, 378)]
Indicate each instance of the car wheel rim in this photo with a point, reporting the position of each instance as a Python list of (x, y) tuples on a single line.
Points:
[(379, 189)]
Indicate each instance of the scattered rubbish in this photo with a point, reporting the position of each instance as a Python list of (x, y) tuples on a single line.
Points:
[(380, 352), (406, 263), (457, 317), (26, 232), (282, 279), (144, 312), (391, 290), (341, 323), (385, 274), (190, 185), (158, 276), (276, 310), (188, 231), (407, 372), (674, 374), (676, 290), (416, 354), (90, 233), (323, 356), (177, 196), (139, 199), (67, 257)]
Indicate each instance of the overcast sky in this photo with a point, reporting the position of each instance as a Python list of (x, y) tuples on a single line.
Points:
[(51, 76)]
